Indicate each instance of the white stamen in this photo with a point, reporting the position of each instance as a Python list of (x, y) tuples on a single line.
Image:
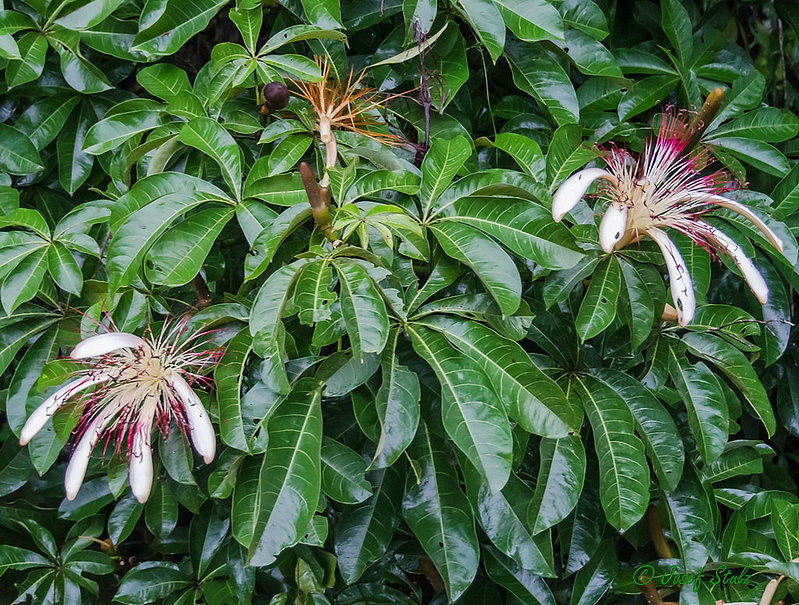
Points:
[(201, 430), (50, 405), (101, 344), (748, 270), (140, 464), (573, 189), (613, 226), (682, 288)]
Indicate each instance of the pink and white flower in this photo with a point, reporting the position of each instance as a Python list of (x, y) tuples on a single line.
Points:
[(128, 385), (666, 187)]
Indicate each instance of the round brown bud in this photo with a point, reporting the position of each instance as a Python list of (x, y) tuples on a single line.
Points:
[(276, 95)]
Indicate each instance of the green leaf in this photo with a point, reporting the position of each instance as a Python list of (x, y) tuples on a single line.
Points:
[(523, 149), (363, 534), (75, 164), (527, 586), (598, 308), (590, 57), (178, 21), (363, 309), (248, 21), (164, 80), (14, 557), (473, 416), (677, 25), (65, 271), (486, 20), (125, 120), (786, 194), (524, 227), (439, 515), (566, 153), (289, 480), (738, 370), (624, 475), (532, 398), (490, 262), (642, 306), (123, 518), (288, 152), (382, 180), (269, 303), (206, 533), (585, 16), (161, 510), (531, 20), (33, 49), (149, 582), (23, 282), (178, 255), (211, 138), (691, 514), (538, 74), (561, 472), (266, 244), (140, 230), (653, 423), (756, 153), (765, 124), (707, 408), (397, 405), (323, 13), (343, 473), (18, 155), (295, 33), (229, 377), (645, 94), (80, 74), (42, 121)]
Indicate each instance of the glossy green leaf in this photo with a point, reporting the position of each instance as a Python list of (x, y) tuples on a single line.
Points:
[(561, 471), (18, 155), (598, 308), (212, 139), (363, 309), (343, 473)]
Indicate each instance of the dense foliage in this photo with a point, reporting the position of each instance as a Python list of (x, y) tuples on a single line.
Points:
[(424, 388)]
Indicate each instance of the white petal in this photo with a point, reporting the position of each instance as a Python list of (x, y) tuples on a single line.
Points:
[(573, 189), (140, 464), (744, 264), (76, 469), (49, 406), (748, 214), (201, 430), (613, 226), (101, 344), (682, 288)]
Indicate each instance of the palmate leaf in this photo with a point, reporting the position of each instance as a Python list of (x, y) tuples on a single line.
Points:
[(439, 515), (472, 415), (289, 479)]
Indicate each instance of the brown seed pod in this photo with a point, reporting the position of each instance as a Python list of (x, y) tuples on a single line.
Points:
[(276, 96)]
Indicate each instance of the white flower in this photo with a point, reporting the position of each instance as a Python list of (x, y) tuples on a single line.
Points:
[(665, 188), (128, 385)]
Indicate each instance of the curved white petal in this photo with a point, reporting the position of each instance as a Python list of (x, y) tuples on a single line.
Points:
[(573, 189), (613, 226), (49, 406), (76, 469), (747, 213), (140, 464), (100, 344), (682, 288), (743, 262), (201, 430)]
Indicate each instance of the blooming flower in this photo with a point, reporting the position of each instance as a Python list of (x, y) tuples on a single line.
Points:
[(665, 188), (128, 385)]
